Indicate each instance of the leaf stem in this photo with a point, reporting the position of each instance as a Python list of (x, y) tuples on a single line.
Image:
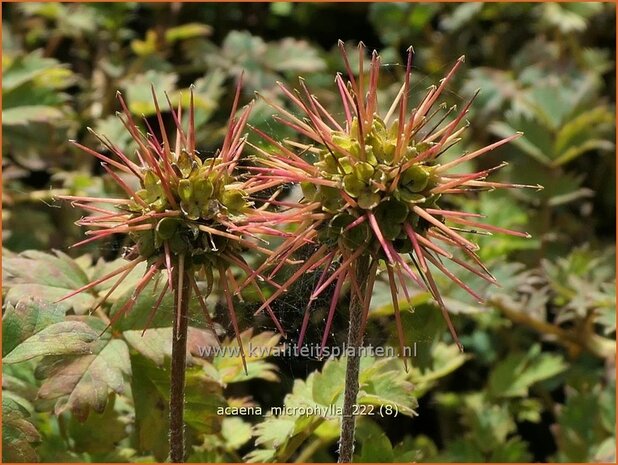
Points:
[(355, 341), (182, 291), (574, 341)]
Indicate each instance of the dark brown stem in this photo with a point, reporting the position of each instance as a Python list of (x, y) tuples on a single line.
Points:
[(182, 293), (352, 371)]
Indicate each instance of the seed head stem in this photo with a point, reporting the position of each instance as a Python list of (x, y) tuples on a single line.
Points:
[(179, 358), (355, 341)]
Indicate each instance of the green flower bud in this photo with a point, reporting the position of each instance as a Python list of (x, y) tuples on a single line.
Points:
[(353, 186), (146, 243), (185, 164), (166, 228), (415, 178), (309, 190), (202, 190), (185, 190), (363, 171), (368, 200), (409, 197), (233, 199), (356, 236), (392, 211)]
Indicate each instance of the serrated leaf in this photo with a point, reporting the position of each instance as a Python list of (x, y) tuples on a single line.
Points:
[(25, 319), (64, 338), (236, 432), (203, 394), (327, 387), (444, 360), (382, 382), (34, 274), (18, 435), (155, 344), (376, 449), (257, 348), (83, 380), (579, 427), (100, 432), (513, 376)]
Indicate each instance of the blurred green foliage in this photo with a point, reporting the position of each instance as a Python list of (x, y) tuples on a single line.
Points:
[(537, 380)]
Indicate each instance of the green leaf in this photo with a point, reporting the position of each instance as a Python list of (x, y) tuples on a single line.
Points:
[(18, 435), (579, 430), (45, 277), (185, 190), (534, 142), (513, 376), (25, 319), (326, 386), (504, 211), (463, 451), (83, 380), (236, 432), (415, 178), (187, 31), (487, 425), (376, 449), (263, 61), (203, 394), (382, 382), (579, 129), (66, 337), (100, 433), (419, 448), (257, 349), (167, 227), (368, 200), (261, 456), (139, 95), (28, 68), (444, 359), (112, 128), (574, 152), (552, 103), (606, 452), (207, 92), (567, 18), (353, 185), (293, 55), (155, 344), (30, 113), (151, 412), (233, 199)]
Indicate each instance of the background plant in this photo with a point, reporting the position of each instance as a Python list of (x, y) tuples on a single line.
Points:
[(536, 381)]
